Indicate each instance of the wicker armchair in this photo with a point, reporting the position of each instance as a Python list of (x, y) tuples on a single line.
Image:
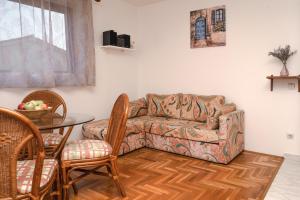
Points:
[(87, 156), (54, 100), (24, 179)]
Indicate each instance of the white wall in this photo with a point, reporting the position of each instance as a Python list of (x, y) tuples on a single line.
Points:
[(116, 71), (238, 71)]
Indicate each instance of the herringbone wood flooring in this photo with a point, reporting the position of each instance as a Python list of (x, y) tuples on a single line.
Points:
[(152, 175)]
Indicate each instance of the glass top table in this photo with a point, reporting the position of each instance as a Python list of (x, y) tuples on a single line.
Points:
[(57, 121)]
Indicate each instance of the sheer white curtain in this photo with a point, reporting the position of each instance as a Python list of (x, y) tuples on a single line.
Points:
[(46, 43)]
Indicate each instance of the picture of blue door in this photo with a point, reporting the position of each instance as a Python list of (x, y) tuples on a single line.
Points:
[(200, 28)]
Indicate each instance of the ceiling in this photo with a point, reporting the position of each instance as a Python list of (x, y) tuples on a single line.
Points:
[(142, 2)]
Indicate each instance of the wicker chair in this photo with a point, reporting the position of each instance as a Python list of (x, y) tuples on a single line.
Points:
[(20, 179), (87, 156), (54, 100)]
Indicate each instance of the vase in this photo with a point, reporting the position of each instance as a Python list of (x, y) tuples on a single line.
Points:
[(284, 71)]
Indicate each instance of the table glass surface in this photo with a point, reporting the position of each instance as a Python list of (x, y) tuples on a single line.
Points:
[(56, 121)]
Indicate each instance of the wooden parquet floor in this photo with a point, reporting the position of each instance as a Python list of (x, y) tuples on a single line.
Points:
[(156, 175)]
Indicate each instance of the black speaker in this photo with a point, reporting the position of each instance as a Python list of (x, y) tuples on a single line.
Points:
[(124, 40), (120, 41), (110, 38)]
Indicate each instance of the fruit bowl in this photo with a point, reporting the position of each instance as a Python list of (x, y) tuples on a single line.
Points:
[(34, 114)]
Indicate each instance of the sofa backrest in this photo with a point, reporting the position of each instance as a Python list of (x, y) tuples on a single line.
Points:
[(164, 105), (183, 106)]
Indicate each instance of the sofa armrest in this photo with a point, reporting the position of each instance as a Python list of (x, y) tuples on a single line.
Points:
[(231, 124), (231, 134)]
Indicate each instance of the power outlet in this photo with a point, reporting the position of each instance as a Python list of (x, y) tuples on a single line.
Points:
[(290, 136)]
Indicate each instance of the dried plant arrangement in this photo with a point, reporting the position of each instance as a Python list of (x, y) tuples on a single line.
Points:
[(283, 54)]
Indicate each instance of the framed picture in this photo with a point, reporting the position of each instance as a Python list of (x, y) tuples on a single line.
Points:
[(208, 27)]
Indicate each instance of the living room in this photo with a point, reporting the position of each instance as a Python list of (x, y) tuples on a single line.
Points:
[(163, 60)]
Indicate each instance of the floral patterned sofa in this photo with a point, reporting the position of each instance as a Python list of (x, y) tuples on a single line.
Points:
[(198, 126)]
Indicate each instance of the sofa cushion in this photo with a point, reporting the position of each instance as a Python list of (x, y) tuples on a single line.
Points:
[(164, 105), (98, 129), (137, 108), (191, 109), (213, 118), (227, 108), (197, 108), (184, 129)]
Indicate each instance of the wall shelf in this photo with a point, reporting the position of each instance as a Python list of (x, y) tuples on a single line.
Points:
[(117, 48), (272, 78)]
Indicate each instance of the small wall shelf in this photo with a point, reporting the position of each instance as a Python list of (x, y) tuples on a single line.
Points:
[(272, 78), (117, 48)]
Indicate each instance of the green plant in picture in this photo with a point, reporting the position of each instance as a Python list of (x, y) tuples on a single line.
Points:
[(283, 55)]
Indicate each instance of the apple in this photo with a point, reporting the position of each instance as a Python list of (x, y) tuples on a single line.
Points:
[(44, 106), (29, 106), (21, 106)]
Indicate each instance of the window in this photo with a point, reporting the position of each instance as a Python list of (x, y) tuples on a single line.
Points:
[(219, 15), (218, 20), (31, 24), (42, 44)]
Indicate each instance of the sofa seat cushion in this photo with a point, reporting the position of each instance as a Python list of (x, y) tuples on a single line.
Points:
[(98, 129), (184, 129), (25, 171), (86, 149)]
